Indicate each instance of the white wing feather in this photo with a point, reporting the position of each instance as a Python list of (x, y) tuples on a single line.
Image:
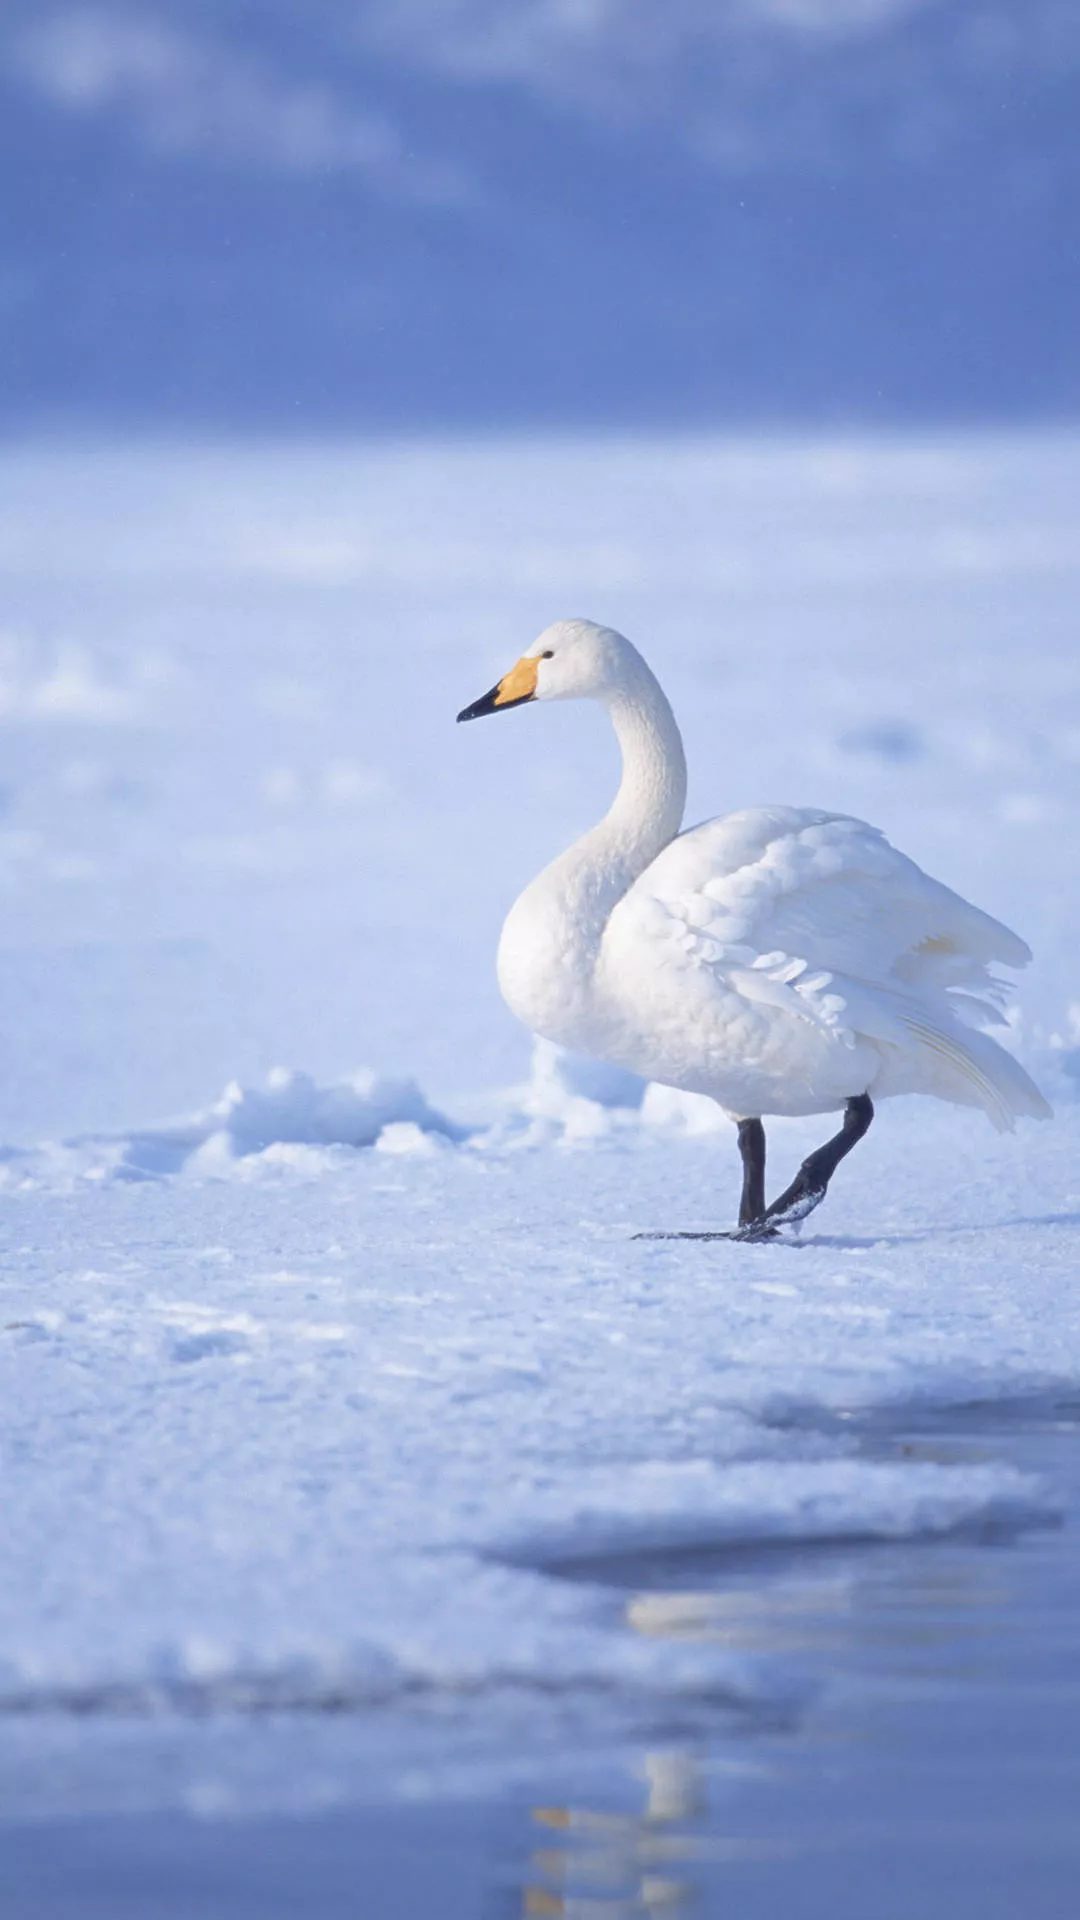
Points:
[(817, 916)]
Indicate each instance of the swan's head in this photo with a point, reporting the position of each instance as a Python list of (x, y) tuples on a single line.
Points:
[(573, 660)]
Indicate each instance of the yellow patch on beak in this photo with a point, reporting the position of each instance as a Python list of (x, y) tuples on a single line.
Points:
[(518, 684)]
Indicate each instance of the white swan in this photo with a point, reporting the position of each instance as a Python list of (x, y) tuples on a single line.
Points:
[(782, 960)]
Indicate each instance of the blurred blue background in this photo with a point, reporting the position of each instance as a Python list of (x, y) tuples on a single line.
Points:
[(335, 213)]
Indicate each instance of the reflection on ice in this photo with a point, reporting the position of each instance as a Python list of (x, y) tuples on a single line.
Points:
[(624, 1861), (927, 1633), (738, 1619), (903, 1605)]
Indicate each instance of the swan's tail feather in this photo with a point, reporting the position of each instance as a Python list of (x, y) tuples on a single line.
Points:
[(927, 1049), (980, 1072)]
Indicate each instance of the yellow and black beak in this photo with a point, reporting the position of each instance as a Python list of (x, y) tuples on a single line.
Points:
[(513, 690)]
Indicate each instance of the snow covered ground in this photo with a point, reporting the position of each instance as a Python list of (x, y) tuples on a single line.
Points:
[(311, 1393)]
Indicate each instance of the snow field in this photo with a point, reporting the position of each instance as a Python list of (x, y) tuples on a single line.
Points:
[(294, 1434), (314, 1400)]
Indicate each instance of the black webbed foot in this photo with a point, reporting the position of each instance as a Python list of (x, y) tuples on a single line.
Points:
[(751, 1232), (759, 1223), (810, 1185), (803, 1195), (754, 1232), (688, 1235)]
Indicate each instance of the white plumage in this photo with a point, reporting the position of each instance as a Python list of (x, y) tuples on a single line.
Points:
[(819, 962), (782, 959)]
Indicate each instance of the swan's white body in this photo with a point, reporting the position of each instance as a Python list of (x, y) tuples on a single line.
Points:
[(781, 960)]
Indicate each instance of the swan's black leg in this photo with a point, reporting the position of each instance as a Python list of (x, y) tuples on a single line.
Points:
[(808, 1188), (752, 1148)]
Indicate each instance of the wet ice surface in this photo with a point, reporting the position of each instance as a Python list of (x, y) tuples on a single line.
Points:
[(936, 1768), (354, 1453)]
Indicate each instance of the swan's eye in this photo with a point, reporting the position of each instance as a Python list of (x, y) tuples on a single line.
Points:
[(549, 655)]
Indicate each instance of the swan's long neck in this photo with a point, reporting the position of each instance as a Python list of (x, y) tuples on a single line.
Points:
[(646, 812), (552, 938)]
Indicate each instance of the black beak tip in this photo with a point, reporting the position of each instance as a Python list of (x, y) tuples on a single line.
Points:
[(490, 703), (485, 704)]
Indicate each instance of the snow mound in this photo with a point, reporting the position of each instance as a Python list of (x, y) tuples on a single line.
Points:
[(291, 1109), (559, 1076), (290, 1123), (698, 1505), (441, 1623), (572, 1098), (571, 1095), (689, 1113)]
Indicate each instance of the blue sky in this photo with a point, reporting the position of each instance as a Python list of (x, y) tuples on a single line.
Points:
[(463, 212)]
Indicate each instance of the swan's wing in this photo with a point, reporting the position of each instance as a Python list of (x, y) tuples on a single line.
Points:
[(828, 890), (815, 914)]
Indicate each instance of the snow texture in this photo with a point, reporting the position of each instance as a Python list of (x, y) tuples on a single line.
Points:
[(329, 1397)]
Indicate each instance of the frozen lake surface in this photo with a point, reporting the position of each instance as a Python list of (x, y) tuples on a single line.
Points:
[(365, 1484), (937, 1770)]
